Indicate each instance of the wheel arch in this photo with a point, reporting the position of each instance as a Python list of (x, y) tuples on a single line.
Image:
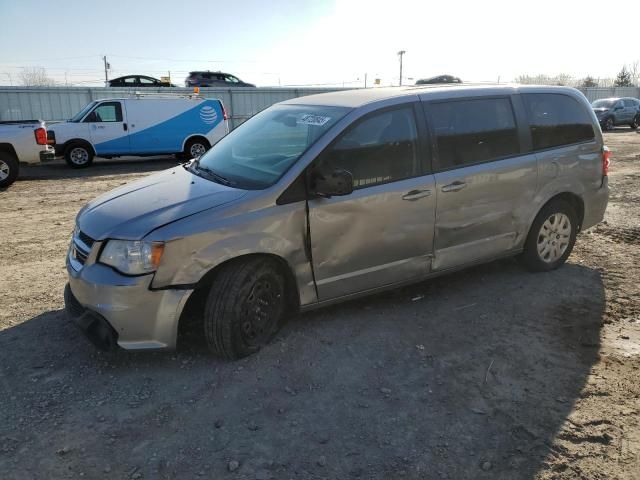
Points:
[(571, 198), (193, 136), (8, 148), (195, 303), (82, 141)]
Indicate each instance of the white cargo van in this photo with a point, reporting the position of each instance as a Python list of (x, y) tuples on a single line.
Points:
[(143, 125)]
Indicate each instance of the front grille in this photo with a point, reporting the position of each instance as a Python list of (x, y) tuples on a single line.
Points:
[(86, 239), (82, 244)]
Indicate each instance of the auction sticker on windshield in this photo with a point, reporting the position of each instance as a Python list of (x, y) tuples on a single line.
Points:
[(310, 119)]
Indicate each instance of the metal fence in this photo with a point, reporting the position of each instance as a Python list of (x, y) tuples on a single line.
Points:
[(60, 103), (594, 93)]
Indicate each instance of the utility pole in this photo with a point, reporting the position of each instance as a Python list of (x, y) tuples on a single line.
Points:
[(365, 80), (106, 67), (400, 54)]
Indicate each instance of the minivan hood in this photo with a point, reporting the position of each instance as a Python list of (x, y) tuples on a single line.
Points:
[(600, 109), (134, 210)]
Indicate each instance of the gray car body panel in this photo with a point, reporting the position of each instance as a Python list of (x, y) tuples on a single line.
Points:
[(360, 243)]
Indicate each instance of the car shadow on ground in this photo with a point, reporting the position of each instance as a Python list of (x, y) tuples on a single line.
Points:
[(101, 167), (465, 376)]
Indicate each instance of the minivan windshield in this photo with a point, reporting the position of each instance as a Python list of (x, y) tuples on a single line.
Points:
[(255, 155), (78, 116), (603, 103)]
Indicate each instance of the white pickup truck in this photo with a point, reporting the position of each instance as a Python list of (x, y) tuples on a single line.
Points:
[(22, 142)]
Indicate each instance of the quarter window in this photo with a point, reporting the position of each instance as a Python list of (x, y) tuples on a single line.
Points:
[(106, 112), (473, 131), (382, 148), (556, 120)]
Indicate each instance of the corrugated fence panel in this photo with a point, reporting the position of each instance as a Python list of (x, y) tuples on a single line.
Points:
[(594, 93), (61, 103)]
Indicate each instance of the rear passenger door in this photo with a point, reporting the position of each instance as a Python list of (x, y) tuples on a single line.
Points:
[(484, 180)]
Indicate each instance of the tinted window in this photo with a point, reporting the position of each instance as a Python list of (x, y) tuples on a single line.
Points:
[(146, 81), (556, 120), (106, 112), (379, 149), (472, 131)]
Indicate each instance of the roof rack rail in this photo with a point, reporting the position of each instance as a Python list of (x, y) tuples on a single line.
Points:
[(139, 94)]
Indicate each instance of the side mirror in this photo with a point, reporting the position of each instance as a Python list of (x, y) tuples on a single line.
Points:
[(337, 183), (91, 117)]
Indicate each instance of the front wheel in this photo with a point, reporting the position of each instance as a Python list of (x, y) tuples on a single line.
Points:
[(636, 122), (609, 124), (551, 237), (245, 307), (78, 155), (9, 167)]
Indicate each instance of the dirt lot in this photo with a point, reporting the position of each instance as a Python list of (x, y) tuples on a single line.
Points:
[(490, 373)]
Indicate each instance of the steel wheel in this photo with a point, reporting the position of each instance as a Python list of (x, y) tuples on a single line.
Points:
[(5, 170), (197, 150), (79, 156), (554, 237), (260, 312)]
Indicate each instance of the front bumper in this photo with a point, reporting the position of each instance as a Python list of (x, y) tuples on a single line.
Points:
[(100, 299)]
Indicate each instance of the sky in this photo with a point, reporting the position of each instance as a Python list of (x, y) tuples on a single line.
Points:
[(307, 42)]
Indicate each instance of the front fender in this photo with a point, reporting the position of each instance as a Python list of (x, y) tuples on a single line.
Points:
[(277, 230)]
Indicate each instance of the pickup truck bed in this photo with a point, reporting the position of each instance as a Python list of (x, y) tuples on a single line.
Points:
[(22, 141)]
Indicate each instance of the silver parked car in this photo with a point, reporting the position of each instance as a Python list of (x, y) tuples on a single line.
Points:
[(327, 197)]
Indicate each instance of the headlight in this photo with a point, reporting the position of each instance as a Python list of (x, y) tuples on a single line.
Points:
[(132, 257)]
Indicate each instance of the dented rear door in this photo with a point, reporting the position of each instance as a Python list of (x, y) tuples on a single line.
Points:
[(485, 181)]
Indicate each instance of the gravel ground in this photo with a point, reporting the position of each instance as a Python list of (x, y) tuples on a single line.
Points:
[(489, 373)]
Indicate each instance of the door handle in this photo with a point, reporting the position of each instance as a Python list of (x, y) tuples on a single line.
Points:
[(124, 126), (454, 187), (416, 194)]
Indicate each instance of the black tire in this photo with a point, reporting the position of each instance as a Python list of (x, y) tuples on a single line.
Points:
[(636, 122), (535, 261), (9, 168), (608, 124), (78, 155), (198, 143), (245, 307)]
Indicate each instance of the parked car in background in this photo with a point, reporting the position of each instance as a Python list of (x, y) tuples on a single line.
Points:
[(438, 80), (143, 125), (328, 197), (22, 142), (138, 81), (612, 112), (214, 79)]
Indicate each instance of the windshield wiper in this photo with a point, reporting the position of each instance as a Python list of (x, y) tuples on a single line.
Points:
[(216, 176)]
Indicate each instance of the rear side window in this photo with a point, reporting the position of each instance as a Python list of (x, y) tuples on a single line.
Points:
[(473, 131), (381, 148), (556, 120)]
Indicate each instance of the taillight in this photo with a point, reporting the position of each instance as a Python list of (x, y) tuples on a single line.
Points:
[(224, 112), (41, 136), (606, 161)]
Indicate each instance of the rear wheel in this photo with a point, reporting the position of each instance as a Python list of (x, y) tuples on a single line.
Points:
[(635, 123), (245, 307), (78, 155), (196, 147), (551, 237), (9, 167)]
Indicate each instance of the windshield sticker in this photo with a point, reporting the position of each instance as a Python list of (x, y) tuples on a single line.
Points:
[(309, 119)]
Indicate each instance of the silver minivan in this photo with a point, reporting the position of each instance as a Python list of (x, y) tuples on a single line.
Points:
[(328, 197)]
